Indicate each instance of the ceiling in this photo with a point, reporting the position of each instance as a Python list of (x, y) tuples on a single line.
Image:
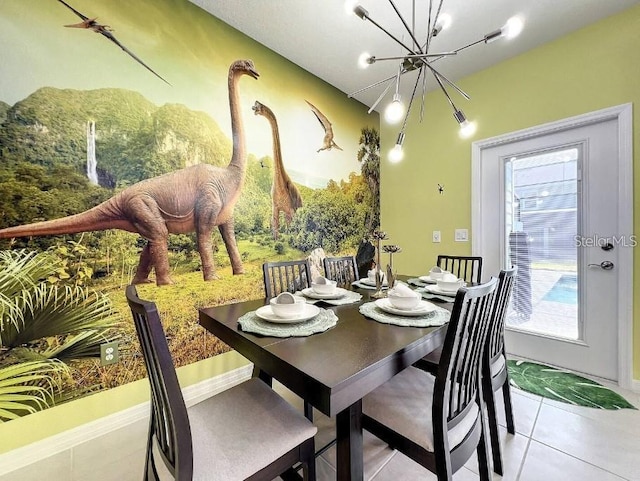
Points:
[(322, 38)]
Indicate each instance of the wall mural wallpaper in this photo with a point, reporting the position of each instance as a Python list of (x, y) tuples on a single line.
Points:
[(170, 151)]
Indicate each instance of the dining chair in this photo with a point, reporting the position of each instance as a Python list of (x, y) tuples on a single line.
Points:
[(468, 268), (438, 420), (495, 375), (344, 270), (246, 432), (289, 276)]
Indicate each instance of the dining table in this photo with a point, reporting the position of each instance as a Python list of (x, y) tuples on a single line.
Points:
[(331, 370)]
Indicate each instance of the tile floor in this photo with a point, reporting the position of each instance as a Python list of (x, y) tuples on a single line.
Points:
[(553, 442)]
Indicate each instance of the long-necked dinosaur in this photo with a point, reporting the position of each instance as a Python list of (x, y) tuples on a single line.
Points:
[(197, 198), (284, 194)]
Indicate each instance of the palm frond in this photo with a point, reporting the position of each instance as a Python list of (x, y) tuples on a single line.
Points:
[(54, 310), (22, 269), (28, 387), (81, 345)]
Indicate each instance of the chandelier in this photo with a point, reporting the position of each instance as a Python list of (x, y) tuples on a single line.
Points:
[(417, 56)]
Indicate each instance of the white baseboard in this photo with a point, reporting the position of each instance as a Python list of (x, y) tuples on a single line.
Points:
[(635, 385), (26, 455)]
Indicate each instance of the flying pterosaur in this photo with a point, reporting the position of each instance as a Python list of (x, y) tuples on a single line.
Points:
[(105, 30), (327, 143)]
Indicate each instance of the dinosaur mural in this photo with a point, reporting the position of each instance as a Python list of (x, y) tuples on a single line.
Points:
[(327, 142), (284, 194), (197, 198)]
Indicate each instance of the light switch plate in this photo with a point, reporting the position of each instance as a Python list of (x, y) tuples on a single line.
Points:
[(436, 236), (461, 235)]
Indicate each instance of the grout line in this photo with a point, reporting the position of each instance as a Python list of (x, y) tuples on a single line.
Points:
[(529, 439), (582, 460), (395, 451)]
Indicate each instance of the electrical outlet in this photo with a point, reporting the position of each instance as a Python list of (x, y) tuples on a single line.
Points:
[(436, 236), (109, 353), (461, 235)]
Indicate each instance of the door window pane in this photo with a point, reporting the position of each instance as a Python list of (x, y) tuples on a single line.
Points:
[(541, 225)]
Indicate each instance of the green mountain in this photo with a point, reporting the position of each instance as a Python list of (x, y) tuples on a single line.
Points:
[(134, 138), (3, 111)]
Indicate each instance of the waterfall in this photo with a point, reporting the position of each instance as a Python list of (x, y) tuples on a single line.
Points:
[(92, 163)]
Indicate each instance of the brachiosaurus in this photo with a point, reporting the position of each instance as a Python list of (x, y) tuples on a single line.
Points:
[(284, 194), (198, 198)]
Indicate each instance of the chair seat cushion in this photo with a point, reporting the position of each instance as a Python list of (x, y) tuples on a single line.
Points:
[(404, 404), (240, 431)]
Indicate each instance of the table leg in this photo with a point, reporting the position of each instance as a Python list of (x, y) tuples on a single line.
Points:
[(264, 377), (349, 443)]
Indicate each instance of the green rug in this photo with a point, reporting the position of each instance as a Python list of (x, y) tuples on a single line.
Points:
[(563, 386)]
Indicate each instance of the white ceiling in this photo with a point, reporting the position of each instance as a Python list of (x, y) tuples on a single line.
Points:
[(319, 36)]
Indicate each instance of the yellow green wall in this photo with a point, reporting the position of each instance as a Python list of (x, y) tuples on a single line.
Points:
[(29, 429), (587, 70)]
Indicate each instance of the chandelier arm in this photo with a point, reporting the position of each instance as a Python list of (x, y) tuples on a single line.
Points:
[(415, 40), (426, 44), (458, 89), (458, 49), (371, 86), (406, 117), (424, 91), (444, 90), (435, 21), (384, 92), (418, 55), (389, 34)]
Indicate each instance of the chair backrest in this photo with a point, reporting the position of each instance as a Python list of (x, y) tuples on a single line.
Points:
[(458, 377), (344, 270), (495, 340), (468, 268), (169, 419), (289, 276)]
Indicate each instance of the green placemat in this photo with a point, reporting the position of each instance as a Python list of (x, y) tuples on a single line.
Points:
[(563, 386)]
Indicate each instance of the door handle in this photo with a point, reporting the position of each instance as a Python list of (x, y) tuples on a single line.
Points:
[(606, 265)]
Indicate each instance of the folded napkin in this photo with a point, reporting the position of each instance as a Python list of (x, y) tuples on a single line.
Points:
[(285, 298), (402, 290), (322, 280)]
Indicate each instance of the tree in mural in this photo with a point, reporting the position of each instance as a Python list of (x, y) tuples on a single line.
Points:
[(44, 329), (369, 156)]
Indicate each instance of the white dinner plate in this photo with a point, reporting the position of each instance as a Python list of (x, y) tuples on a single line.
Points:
[(423, 307), (434, 289), (266, 313), (368, 282), (310, 293), (427, 279)]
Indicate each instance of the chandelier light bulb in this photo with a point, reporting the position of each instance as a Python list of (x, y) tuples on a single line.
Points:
[(394, 111), (349, 6), (467, 129), (364, 60), (512, 28), (396, 154), (443, 23)]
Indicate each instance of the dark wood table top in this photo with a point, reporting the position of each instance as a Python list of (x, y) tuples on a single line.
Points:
[(333, 369)]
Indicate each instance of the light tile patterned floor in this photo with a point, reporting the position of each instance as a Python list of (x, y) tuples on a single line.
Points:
[(553, 442)]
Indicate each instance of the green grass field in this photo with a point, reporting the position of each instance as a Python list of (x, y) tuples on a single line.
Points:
[(178, 306)]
